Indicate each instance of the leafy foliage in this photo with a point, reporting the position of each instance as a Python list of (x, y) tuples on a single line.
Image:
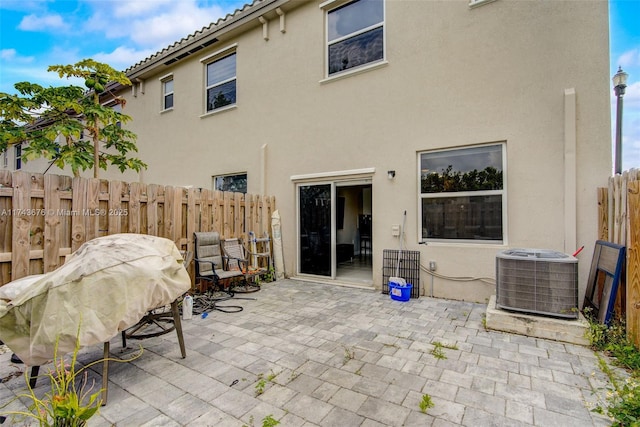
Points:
[(70, 401), (489, 178), (68, 125), (426, 403), (623, 399)]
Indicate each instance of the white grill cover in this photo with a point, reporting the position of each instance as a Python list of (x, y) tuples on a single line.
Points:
[(106, 286)]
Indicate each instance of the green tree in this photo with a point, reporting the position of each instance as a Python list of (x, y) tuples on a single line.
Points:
[(42, 117)]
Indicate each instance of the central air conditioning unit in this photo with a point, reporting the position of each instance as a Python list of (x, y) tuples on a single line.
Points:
[(537, 281)]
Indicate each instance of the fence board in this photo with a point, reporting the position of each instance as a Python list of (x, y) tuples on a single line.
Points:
[(21, 226), (52, 222), (603, 214), (633, 262), (6, 207), (79, 204), (152, 210), (44, 218), (133, 208)]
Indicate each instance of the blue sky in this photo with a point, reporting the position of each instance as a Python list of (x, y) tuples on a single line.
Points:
[(37, 33)]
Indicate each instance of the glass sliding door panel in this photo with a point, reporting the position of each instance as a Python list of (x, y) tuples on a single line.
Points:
[(315, 229)]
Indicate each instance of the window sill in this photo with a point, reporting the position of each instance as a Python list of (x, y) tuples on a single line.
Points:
[(478, 3), (166, 111), (355, 71), (480, 244), (219, 110)]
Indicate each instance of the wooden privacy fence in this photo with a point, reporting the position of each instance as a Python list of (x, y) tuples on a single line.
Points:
[(43, 218), (619, 218)]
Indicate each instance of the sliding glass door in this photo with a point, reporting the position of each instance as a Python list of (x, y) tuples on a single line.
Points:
[(315, 212)]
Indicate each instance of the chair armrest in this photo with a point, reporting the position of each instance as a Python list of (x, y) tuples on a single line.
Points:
[(213, 264)]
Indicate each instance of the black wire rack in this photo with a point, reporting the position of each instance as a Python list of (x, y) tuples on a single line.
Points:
[(409, 269)]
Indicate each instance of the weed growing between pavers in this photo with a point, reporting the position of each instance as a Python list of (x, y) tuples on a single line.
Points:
[(348, 354), (437, 349), (262, 382), (622, 402), (426, 403), (267, 421)]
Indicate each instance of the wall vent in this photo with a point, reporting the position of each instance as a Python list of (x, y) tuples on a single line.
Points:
[(537, 281)]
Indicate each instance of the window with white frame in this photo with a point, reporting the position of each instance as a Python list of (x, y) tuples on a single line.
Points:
[(355, 35), (462, 195), (167, 93), (236, 183), (18, 156), (221, 82)]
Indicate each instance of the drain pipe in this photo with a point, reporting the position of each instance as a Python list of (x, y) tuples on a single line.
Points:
[(432, 268), (263, 169)]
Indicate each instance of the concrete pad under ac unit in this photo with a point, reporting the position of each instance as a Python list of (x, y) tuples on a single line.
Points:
[(571, 331)]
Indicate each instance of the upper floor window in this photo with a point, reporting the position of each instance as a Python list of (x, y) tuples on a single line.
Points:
[(462, 194), (236, 183), (18, 156), (167, 93), (221, 82), (355, 35)]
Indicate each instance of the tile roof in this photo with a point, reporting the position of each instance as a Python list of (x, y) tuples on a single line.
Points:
[(192, 39)]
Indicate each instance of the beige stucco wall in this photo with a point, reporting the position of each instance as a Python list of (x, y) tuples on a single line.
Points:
[(455, 76)]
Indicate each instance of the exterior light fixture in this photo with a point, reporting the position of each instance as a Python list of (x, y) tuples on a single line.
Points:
[(391, 174), (619, 86)]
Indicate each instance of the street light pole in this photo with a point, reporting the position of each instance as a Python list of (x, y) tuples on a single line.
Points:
[(619, 86)]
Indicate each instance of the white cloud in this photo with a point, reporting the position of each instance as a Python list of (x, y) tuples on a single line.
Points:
[(632, 96), (630, 58), (123, 57), (631, 143), (42, 23), (155, 24), (137, 8), (7, 54), (13, 56)]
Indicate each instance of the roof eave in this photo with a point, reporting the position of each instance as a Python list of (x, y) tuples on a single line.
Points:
[(245, 17)]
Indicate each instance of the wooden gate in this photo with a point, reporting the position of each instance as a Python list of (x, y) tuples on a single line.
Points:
[(619, 218)]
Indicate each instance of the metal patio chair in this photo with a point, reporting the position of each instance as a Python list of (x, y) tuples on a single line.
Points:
[(211, 265)]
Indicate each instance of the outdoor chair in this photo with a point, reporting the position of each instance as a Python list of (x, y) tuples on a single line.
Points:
[(237, 258), (211, 266)]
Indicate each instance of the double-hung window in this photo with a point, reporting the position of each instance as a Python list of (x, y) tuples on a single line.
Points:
[(355, 35), (221, 82), (462, 194), (167, 93), (18, 156)]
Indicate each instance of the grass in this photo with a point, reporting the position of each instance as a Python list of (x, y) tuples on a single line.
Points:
[(349, 354), (437, 351), (263, 381), (622, 402), (267, 421), (425, 403)]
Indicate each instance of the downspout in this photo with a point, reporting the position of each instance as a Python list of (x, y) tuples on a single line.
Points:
[(263, 169), (570, 172)]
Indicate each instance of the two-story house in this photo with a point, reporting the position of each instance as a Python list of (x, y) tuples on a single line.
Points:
[(487, 122)]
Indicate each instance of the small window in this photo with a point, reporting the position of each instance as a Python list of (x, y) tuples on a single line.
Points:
[(221, 82), (462, 194), (355, 35), (18, 156), (236, 183), (167, 93)]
